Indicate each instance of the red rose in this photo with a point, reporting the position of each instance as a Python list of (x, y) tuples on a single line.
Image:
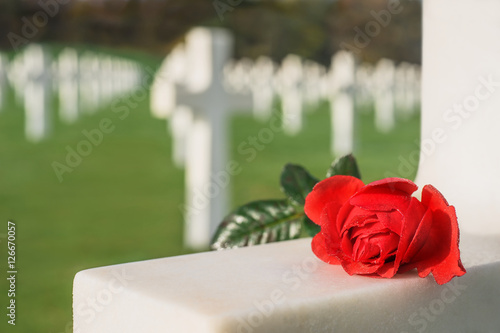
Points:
[(380, 229)]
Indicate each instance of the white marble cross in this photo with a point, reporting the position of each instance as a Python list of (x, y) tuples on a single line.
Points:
[(68, 84), (179, 125), (342, 83), (80, 83), (127, 76), (364, 86), (262, 85), (38, 93), (103, 78), (107, 79), (18, 76), (283, 288), (314, 74), (290, 86), (237, 75), (461, 110), (413, 89), (400, 80), (172, 72), (89, 101), (406, 89), (197, 90), (384, 95), (245, 77), (207, 170), (3, 79)]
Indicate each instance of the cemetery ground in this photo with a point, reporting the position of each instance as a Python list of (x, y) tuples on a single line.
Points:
[(121, 203)]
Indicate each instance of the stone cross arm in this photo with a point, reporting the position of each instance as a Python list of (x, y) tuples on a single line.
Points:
[(208, 101), (283, 287)]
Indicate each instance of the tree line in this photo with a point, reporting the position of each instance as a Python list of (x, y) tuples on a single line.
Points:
[(314, 29)]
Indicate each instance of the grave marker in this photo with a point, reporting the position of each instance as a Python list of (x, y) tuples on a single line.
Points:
[(3, 79), (314, 73), (88, 102), (290, 76), (171, 72), (207, 172), (180, 125), (460, 104), (262, 85), (37, 97), (384, 95), (342, 81), (18, 76), (68, 78)]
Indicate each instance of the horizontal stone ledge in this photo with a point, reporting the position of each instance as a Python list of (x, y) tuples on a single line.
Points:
[(283, 287)]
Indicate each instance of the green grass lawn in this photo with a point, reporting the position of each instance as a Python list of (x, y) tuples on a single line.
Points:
[(122, 202)]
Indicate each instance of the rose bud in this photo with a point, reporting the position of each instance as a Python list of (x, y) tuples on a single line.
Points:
[(379, 229)]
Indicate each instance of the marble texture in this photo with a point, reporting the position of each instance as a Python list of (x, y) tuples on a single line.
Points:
[(283, 287), (459, 152)]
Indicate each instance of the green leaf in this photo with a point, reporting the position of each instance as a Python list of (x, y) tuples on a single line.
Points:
[(310, 227), (296, 183), (345, 165), (258, 222)]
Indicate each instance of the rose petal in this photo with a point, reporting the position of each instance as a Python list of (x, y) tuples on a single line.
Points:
[(387, 242), (412, 219), (356, 267), (336, 189), (319, 248), (343, 216), (346, 244), (369, 228), (327, 242), (396, 184), (387, 270), (357, 217), (418, 238), (375, 248), (364, 250), (329, 228), (440, 254), (391, 220), (385, 195)]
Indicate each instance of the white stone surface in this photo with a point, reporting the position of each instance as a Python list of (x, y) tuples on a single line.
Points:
[(283, 287), (460, 109)]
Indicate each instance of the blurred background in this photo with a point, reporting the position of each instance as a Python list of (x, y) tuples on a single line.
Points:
[(93, 152)]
